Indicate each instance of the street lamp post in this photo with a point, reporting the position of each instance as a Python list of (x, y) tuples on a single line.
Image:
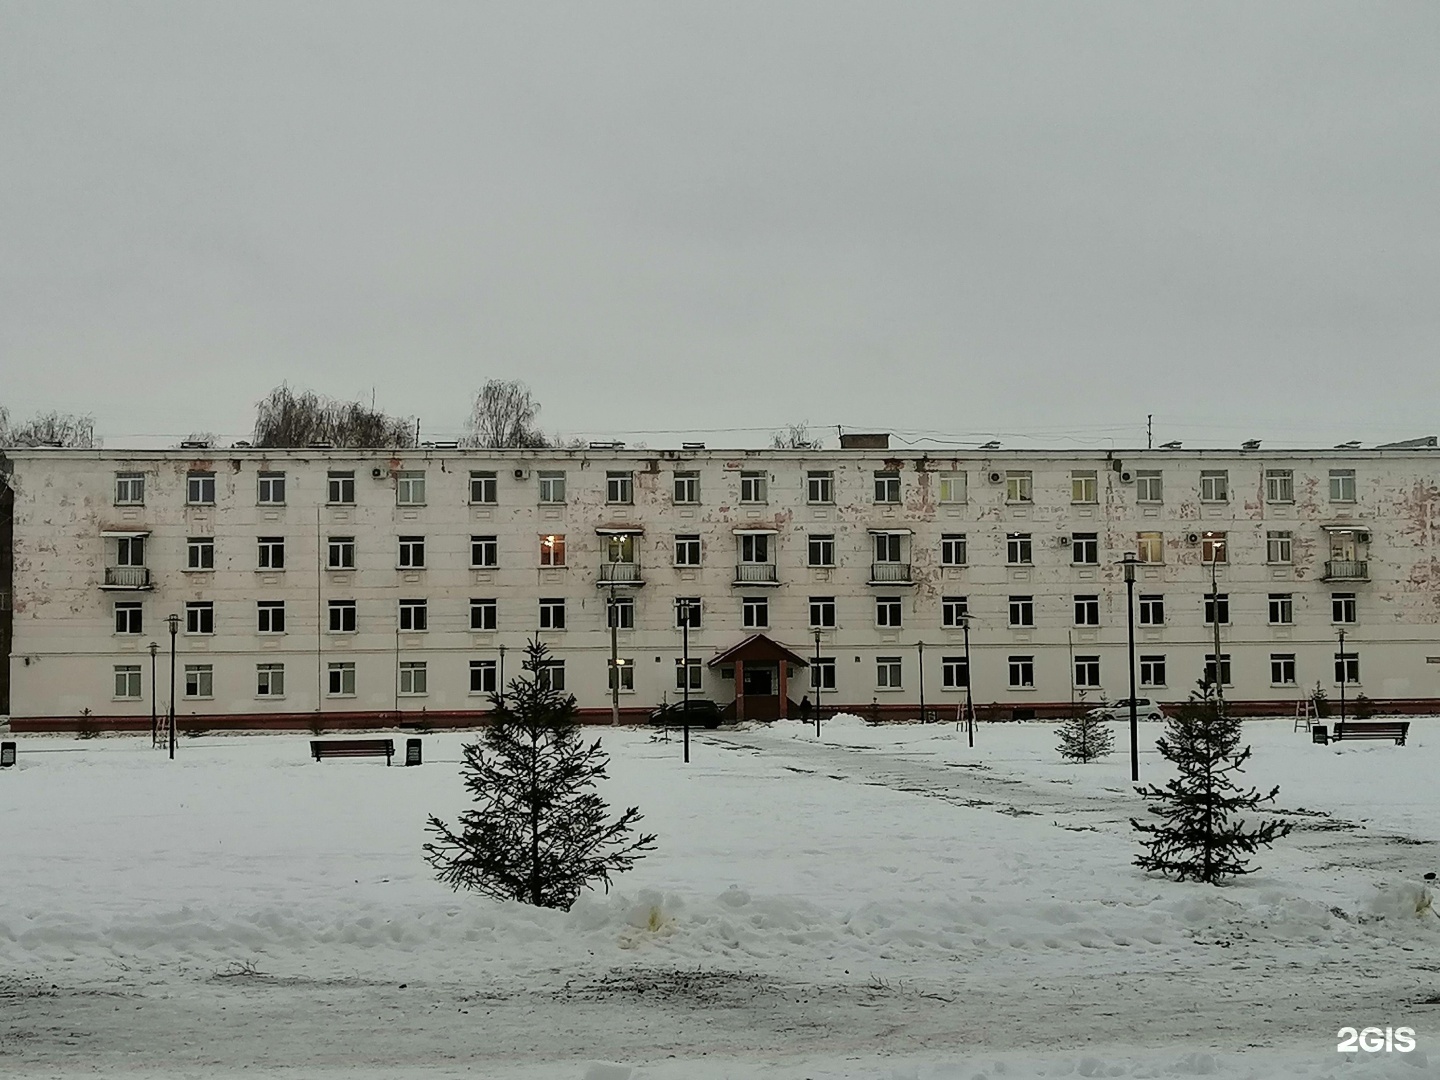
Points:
[(501, 695), (154, 717), (819, 681), (1129, 563), (1344, 673), (685, 675), (174, 622), (614, 660), (920, 650), (969, 699)]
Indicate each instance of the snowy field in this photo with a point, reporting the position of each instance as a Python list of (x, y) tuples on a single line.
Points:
[(883, 903)]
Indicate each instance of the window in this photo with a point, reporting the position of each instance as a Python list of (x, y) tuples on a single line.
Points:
[(1152, 609), (271, 487), (821, 550), (1022, 672), (342, 616), (340, 491), (484, 614), (270, 616), (755, 547), (199, 553), (887, 547), (952, 550), (552, 487), (887, 673), (1087, 673), (954, 612), (200, 488), (954, 673), (484, 551), (1018, 549), (414, 615), (1087, 611), (1282, 609), (689, 674), (1152, 670), (687, 608), (412, 552), (1209, 676), (887, 486), (687, 487), (1217, 604), (551, 676), (1083, 487), (552, 549), (1342, 607), (1214, 485), (755, 612), (410, 488), (127, 681), (1148, 487), (627, 674), (483, 489), (1022, 611), (1347, 667), (1085, 549), (1342, 485), (272, 553), (199, 680), (1279, 486), (269, 680), (620, 612), (1150, 547), (552, 613), (1282, 669), (341, 553), (413, 678), (619, 487), (888, 611), (341, 680), (129, 491), (130, 551), (1018, 486), (200, 617), (953, 487), (822, 612), (1278, 547), (820, 486), (822, 673), (129, 617), (483, 677), (752, 487), (687, 551), (1212, 548)]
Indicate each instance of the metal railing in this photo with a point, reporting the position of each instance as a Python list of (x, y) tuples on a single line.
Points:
[(127, 577), (1347, 570), (751, 572), (890, 571), (623, 573)]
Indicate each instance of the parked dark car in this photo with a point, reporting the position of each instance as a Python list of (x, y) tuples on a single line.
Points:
[(703, 713)]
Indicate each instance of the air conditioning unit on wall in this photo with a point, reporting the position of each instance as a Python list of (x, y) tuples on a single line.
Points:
[(1192, 538), (1126, 476), (522, 474), (377, 472), (996, 476), (1062, 541)]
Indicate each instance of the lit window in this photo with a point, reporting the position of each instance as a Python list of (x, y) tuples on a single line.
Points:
[(1213, 548), (552, 549), (626, 667), (953, 488), (1150, 547), (1083, 486)]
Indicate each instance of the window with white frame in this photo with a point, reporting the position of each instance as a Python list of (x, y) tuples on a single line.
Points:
[(626, 667), (1150, 547), (820, 486), (887, 486), (1087, 610), (1347, 667), (820, 549), (755, 547), (619, 487), (1083, 486), (1152, 669), (620, 612), (954, 673), (1149, 487), (414, 616), (200, 488), (270, 489), (687, 550), (1214, 485), (1085, 549), (129, 617), (1217, 609), (483, 677), (484, 551), (1342, 485), (822, 674), (130, 551), (1209, 677), (270, 616), (1022, 611), (687, 612), (412, 553), (888, 673), (1018, 486), (689, 675), (1282, 609), (822, 612), (687, 487), (484, 487), (552, 548), (1213, 548), (484, 614), (200, 617), (270, 680), (1342, 607), (752, 487), (413, 678), (1152, 609), (410, 487), (755, 612), (199, 680), (887, 547), (129, 489), (888, 612), (954, 611), (340, 488), (340, 553), (953, 550), (1022, 672), (1282, 669), (552, 486), (1018, 549), (342, 616), (551, 676), (1279, 546), (1087, 673), (127, 682), (340, 679), (552, 613), (954, 488), (1279, 486), (271, 553)]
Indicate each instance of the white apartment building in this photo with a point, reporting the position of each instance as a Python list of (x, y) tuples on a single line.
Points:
[(344, 587)]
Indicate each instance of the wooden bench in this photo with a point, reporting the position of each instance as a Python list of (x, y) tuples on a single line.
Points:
[(323, 748), (1387, 729)]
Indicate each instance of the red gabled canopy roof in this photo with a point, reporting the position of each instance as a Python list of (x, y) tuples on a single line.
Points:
[(758, 647)]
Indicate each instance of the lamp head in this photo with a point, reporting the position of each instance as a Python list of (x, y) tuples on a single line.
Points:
[(1129, 563), (174, 621), (154, 648)]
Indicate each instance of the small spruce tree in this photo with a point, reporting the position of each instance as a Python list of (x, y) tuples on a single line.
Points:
[(1085, 737), (538, 833), (1202, 832)]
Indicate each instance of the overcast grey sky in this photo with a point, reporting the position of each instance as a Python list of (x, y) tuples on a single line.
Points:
[(963, 218)]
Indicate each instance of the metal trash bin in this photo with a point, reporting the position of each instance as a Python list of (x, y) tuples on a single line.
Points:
[(1320, 733), (412, 751), (7, 754)]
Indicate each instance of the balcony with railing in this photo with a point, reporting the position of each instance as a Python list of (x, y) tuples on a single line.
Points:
[(890, 573), (620, 573), (1347, 570), (126, 577), (754, 573)]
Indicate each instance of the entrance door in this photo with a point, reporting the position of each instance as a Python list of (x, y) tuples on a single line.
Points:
[(759, 680)]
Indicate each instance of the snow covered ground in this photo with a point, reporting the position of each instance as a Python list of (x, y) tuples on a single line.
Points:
[(883, 902)]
